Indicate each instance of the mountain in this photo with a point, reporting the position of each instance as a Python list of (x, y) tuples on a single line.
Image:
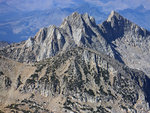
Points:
[(3, 44), (78, 80), (76, 30), (18, 26), (117, 37), (78, 67), (25, 24), (138, 15), (130, 41)]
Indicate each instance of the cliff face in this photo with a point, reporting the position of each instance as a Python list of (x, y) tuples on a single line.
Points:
[(129, 40), (116, 37), (76, 30), (78, 80)]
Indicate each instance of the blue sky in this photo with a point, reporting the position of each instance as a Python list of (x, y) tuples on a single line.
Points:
[(107, 5), (20, 19), (120, 4)]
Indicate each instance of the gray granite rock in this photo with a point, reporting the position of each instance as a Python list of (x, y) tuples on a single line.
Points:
[(130, 41)]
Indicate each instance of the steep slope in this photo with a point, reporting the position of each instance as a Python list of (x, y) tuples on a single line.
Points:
[(76, 30), (117, 37), (130, 41), (12, 76), (78, 80)]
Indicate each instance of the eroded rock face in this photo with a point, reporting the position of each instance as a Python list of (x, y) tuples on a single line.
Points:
[(117, 37), (83, 80), (130, 41), (76, 30)]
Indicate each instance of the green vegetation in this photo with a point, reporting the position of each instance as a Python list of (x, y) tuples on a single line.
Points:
[(109, 107), (100, 109), (18, 81), (1, 73), (90, 92), (34, 76), (123, 107), (8, 82), (97, 78), (34, 106), (30, 83), (68, 103), (102, 91), (105, 75), (55, 83)]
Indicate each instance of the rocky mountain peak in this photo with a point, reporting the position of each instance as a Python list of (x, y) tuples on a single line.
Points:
[(113, 15), (130, 40), (41, 35), (71, 72), (118, 27), (116, 20), (81, 30), (78, 20), (75, 14)]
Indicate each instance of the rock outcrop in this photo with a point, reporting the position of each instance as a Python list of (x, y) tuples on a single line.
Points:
[(76, 30)]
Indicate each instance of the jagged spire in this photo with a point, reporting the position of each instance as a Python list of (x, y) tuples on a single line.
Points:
[(114, 14), (76, 18)]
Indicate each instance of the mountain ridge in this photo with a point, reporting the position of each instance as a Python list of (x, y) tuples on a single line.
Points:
[(119, 25), (129, 40), (113, 37), (78, 67), (3, 44), (79, 33)]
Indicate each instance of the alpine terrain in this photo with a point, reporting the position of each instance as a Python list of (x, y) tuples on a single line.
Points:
[(3, 44), (78, 67)]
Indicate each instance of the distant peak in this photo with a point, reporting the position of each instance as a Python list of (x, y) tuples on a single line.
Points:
[(75, 14), (78, 19), (113, 14), (141, 7), (72, 17), (86, 14)]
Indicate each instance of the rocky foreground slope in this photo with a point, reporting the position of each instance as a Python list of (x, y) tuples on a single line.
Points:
[(79, 67), (80, 80)]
